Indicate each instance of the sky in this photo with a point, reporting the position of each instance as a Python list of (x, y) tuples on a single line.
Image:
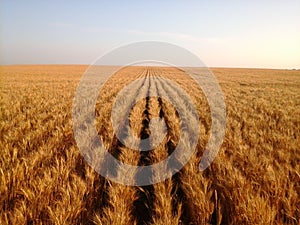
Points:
[(259, 34)]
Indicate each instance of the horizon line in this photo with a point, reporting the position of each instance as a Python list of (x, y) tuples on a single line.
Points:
[(211, 67)]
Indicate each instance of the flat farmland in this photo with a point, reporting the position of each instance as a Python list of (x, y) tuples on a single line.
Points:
[(255, 178)]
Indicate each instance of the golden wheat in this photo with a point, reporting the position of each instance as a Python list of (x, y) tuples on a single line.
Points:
[(253, 180)]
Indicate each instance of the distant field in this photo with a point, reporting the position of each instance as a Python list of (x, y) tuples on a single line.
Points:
[(255, 179)]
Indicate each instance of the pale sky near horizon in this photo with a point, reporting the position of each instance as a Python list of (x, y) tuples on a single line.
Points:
[(262, 34)]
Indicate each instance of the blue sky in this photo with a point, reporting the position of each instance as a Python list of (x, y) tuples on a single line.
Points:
[(222, 33)]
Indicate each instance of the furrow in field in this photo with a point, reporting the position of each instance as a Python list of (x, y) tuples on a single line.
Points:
[(143, 206), (122, 199), (164, 210)]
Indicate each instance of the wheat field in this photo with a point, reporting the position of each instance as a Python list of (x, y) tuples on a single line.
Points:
[(255, 178)]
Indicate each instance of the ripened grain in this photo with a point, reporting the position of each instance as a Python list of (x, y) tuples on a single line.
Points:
[(254, 179)]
